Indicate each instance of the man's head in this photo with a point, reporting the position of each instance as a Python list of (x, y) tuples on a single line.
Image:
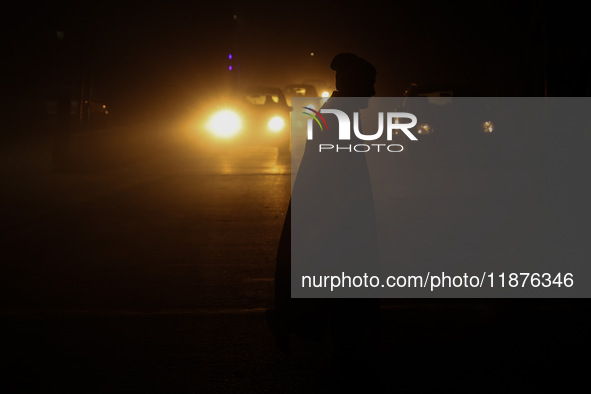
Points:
[(355, 76)]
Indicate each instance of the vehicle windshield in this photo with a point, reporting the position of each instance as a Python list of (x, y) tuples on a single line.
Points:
[(264, 97)]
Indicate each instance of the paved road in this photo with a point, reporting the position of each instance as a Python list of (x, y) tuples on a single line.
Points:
[(144, 263)]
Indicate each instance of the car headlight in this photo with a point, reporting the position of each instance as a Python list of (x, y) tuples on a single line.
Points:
[(225, 123), (424, 128), (276, 124), (488, 127)]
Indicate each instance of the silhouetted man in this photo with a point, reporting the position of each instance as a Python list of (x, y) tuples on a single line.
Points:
[(335, 202)]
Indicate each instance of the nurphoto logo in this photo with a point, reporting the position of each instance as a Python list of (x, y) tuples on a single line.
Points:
[(393, 125)]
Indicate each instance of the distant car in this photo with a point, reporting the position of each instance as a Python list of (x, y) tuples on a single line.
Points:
[(324, 88), (448, 125), (252, 115), (299, 90)]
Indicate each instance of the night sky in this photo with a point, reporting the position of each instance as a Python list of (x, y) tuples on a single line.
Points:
[(162, 56)]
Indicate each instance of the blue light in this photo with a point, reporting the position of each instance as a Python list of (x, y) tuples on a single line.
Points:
[(230, 68), (230, 56)]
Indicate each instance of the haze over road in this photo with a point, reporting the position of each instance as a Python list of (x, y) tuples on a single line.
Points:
[(146, 264), (142, 219)]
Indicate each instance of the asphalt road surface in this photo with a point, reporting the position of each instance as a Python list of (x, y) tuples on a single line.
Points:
[(141, 259)]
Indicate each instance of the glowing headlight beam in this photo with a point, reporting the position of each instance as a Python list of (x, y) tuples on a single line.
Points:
[(224, 124), (276, 123), (424, 128)]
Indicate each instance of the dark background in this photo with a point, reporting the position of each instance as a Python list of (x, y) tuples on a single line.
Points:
[(134, 260), (152, 58)]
